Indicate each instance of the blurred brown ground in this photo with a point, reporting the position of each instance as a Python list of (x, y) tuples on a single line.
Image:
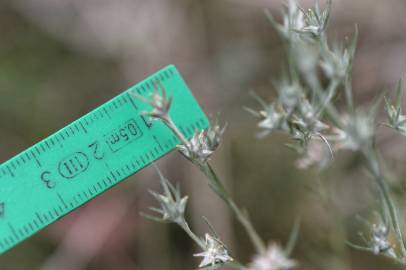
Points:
[(60, 59)]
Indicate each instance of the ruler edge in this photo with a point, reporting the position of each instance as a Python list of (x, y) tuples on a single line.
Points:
[(71, 124)]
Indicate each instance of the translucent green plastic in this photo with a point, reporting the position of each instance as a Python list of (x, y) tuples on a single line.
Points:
[(89, 156)]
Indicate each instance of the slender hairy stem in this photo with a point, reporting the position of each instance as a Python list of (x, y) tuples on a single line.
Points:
[(327, 105), (218, 187), (185, 226), (331, 91), (348, 93), (169, 123), (375, 169), (294, 235)]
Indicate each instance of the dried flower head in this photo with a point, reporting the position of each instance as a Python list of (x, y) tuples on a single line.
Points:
[(298, 23), (172, 204), (273, 259), (159, 101), (270, 119), (291, 113), (337, 63), (293, 19), (214, 134), (357, 132), (316, 21), (290, 94), (197, 149), (215, 253), (202, 145), (307, 120), (379, 240), (396, 120)]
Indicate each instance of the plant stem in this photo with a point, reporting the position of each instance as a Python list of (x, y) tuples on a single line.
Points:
[(234, 265), (170, 124), (371, 156), (219, 188), (326, 101), (294, 235), (375, 168), (331, 91), (185, 226)]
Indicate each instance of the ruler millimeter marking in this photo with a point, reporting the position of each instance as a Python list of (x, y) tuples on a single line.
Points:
[(89, 156)]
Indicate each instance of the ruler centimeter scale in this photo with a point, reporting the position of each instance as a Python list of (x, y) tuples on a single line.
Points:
[(89, 156)]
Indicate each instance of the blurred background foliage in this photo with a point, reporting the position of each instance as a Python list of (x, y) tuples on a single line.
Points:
[(60, 59)]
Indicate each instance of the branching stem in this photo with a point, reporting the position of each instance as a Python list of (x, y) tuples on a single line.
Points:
[(185, 226), (219, 188)]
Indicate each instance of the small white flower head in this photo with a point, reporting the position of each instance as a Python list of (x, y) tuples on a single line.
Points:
[(316, 21), (298, 23), (337, 63), (308, 120), (396, 119), (379, 240), (305, 126), (357, 132), (292, 113), (172, 204), (293, 19), (202, 145), (290, 94), (159, 101), (273, 259), (214, 134), (215, 253), (271, 120), (197, 148)]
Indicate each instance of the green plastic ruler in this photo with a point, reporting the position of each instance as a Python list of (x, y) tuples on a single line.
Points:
[(89, 156)]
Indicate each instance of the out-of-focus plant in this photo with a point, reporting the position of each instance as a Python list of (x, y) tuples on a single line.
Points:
[(305, 110)]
